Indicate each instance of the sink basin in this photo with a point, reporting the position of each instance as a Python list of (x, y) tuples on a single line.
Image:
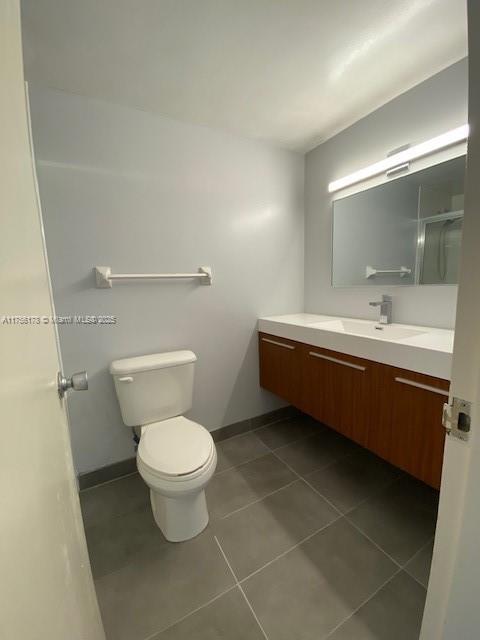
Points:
[(425, 350), (369, 329)]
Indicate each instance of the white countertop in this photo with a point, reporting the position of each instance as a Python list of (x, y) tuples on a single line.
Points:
[(427, 350)]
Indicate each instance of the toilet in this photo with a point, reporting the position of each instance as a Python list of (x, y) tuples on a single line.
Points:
[(176, 457)]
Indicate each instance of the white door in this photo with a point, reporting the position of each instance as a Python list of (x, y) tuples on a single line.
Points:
[(453, 600), (46, 588)]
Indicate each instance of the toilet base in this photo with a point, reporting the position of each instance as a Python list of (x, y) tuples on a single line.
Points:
[(180, 518)]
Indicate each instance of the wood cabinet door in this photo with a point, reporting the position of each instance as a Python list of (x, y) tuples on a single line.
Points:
[(380, 420), (337, 391), (417, 434), (280, 367)]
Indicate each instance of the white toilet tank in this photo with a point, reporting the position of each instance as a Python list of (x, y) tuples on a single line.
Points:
[(154, 387)]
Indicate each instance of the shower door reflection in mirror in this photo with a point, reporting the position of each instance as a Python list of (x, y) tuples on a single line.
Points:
[(404, 232)]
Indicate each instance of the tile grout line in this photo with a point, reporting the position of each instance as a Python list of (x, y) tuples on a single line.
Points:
[(374, 495), (242, 464), (241, 588), (396, 563), (268, 447), (309, 485), (231, 513), (343, 514), (268, 424), (154, 635), (298, 476), (380, 548), (331, 463), (254, 429), (299, 416), (323, 497), (286, 444), (399, 564), (420, 584), (253, 611), (251, 430), (414, 556), (287, 551), (235, 466), (424, 546), (340, 624), (325, 466)]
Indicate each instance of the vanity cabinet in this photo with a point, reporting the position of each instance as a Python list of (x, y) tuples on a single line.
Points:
[(394, 412)]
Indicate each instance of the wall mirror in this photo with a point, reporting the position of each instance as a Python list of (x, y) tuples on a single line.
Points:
[(404, 232)]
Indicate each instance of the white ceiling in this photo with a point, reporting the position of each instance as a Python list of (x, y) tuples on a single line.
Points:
[(292, 72)]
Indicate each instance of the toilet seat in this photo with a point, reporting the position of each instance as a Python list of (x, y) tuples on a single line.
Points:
[(175, 449)]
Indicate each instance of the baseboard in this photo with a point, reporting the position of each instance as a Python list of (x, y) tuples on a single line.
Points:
[(126, 467), (237, 428), (105, 474)]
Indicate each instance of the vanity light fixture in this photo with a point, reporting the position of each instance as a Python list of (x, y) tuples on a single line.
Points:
[(447, 139)]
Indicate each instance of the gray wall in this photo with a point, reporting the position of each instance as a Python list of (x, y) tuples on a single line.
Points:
[(432, 107), (139, 192)]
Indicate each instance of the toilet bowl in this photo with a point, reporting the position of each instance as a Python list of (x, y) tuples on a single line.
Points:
[(176, 457)]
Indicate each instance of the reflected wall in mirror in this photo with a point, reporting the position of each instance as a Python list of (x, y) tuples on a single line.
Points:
[(407, 231)]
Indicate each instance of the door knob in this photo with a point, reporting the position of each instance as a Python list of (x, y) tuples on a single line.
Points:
[(78, 382)]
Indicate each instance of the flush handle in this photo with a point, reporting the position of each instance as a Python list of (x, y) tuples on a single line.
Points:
[(126, 379), (78, 382)]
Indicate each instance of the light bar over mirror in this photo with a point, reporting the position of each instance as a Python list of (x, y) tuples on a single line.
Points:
[(454, 136), (402, 232)]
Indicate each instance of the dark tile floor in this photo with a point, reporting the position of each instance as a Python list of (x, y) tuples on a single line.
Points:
[(310, 537)]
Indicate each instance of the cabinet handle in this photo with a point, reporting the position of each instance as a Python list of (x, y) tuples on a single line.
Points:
[(419, 385), (344, 362), (279, 344)]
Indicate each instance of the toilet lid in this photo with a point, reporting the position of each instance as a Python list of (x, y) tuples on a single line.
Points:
[(175, 447)]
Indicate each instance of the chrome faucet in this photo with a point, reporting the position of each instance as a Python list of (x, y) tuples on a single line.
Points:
[(385, 309)]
